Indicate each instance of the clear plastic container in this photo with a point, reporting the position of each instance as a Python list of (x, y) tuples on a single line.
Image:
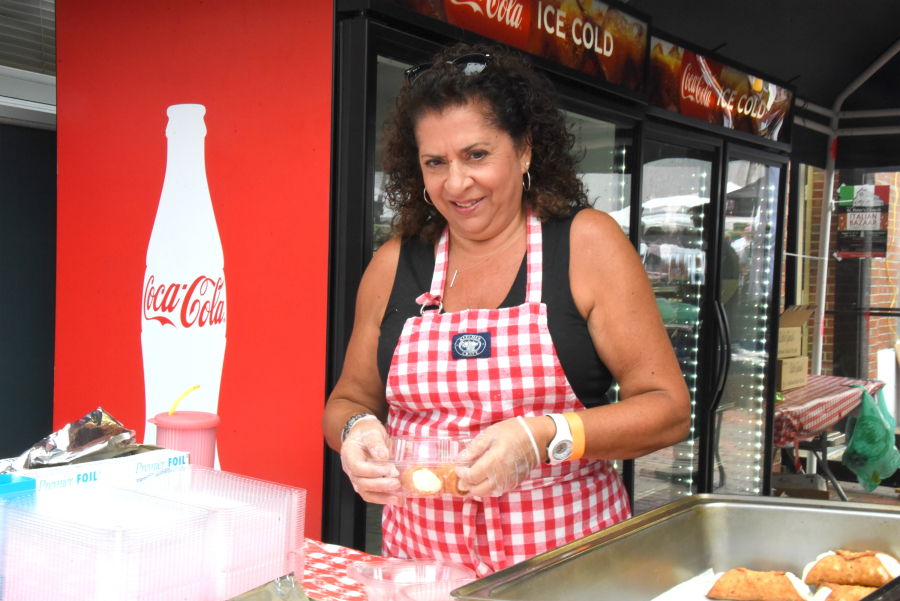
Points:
[(427, 465), (432, 591), (103, 544), (10, 485), (256, 526), (384, 579)]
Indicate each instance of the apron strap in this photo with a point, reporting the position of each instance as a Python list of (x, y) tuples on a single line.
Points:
[(441, 261), (494, 532), (470, 510), (435, 296), (490, 509)]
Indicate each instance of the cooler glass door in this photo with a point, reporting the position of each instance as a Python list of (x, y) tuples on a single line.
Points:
[(747, 276), (389, 78), (676, 186)]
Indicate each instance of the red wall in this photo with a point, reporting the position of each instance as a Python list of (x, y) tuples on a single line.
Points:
[(263, 71)]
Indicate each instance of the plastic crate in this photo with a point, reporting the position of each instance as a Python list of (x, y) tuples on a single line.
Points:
[(256, 526), (103, 544)]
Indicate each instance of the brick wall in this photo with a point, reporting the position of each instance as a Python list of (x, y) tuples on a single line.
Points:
[(883, 293)]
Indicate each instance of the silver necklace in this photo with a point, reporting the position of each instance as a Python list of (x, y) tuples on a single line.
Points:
[(458, 271)]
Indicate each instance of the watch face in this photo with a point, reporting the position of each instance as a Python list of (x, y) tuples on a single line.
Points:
[(562, 450)]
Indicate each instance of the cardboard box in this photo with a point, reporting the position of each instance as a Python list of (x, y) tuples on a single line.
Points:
[(791, 373), (801, 486), (107, 471), (790, 330)]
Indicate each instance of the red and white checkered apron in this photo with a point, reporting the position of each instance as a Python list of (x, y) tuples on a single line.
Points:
[(431, 394)]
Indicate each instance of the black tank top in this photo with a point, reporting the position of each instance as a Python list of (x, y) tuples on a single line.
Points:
[(588, 376)]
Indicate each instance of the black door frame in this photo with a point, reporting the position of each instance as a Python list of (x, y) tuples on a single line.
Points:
[(736, 151), (358, 43)]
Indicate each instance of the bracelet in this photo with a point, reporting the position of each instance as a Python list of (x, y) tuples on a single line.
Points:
[(352, 421), (530, 437), (578, 438)]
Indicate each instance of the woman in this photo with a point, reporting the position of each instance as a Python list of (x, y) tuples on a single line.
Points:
[(494, 241)]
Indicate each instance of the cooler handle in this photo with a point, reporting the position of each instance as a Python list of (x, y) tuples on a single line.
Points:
[(724, 354)]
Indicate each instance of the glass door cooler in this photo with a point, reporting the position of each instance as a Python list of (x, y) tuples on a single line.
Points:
[(708, 238)]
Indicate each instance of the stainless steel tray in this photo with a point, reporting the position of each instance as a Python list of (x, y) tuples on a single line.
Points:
[(645, 556)]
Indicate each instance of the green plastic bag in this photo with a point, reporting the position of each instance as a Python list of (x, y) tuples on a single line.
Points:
[(871, 452)]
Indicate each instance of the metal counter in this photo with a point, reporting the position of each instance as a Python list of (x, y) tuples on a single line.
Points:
[(645, 556)]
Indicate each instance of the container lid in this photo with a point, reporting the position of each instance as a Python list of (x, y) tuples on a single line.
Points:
[(402, 572), (186, 420), (426, 450)]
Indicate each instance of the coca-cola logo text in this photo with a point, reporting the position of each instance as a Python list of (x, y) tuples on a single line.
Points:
[(199, 303), (508, 12), (693, 87)]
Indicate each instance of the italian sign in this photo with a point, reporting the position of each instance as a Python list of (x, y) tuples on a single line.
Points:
[(693, 85), (862, 221), (587, 35)]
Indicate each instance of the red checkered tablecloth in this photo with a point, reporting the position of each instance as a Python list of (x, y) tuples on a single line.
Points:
[(805, 412), (325, 576)]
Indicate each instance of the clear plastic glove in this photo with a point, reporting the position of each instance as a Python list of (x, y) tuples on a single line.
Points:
[(504, 455), (374, 483)]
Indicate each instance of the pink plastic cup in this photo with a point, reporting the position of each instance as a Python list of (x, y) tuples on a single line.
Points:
[(191, 431)]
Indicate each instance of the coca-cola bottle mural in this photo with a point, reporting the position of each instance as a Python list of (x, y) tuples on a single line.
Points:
[(183, 314)]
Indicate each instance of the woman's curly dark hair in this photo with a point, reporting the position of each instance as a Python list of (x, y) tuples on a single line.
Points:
[(519, 101)]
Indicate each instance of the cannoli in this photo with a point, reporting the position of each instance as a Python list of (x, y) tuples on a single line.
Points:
[(746, 585), (868, 568), (842, 592), (421, 481), (452, 484)]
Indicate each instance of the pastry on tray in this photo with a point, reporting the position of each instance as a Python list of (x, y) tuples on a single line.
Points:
[(868, 568), (432, 480), (742, 584), (452, 483), (842, 592), (422, 480)]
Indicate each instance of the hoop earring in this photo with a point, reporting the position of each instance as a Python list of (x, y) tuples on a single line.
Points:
[(425, 195), (527, 187)]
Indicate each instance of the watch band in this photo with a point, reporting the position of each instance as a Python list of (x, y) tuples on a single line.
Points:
[(350, 423), (560, 448)]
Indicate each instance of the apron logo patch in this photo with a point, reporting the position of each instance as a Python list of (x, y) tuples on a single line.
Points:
[(472, 346)]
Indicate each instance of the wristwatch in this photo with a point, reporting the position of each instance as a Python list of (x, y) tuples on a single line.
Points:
[(560, 448), (352, 421)]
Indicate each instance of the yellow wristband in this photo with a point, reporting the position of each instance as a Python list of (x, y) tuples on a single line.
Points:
[(577, 428)]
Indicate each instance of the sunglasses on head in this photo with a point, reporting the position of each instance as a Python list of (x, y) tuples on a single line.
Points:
[(470, 64)]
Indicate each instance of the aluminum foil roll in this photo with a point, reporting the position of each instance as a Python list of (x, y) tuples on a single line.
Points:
[(97, 435)]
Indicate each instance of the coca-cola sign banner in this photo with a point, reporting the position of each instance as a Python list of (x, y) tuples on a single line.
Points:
[(593, 37), (191, 255), (698, 87)]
